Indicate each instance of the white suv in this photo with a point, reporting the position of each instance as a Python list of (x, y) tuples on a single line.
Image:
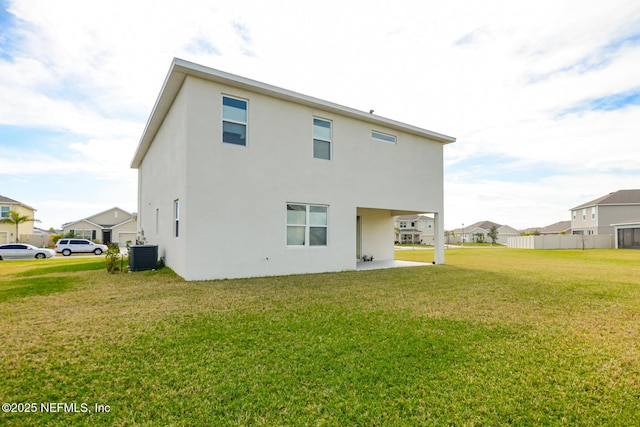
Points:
[(69, 246)]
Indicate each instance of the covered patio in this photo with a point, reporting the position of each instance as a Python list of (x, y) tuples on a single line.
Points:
[(375, 239)]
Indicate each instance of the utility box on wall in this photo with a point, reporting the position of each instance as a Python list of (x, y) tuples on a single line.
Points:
[(143, 257)]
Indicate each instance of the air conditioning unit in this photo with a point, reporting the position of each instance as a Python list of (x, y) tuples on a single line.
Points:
[(143, 257)]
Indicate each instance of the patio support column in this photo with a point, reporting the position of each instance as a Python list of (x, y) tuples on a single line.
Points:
[(438, 230)]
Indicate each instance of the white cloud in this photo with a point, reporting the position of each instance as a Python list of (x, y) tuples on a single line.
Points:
[(527, 204)]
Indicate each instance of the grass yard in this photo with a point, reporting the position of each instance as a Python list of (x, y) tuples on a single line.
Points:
[(495, 337)]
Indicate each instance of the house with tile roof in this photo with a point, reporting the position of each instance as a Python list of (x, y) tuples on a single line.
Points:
[(114, 225), (8, 231), (599, 216)]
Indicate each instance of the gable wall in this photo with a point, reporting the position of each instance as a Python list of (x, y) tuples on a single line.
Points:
[(111, 217)]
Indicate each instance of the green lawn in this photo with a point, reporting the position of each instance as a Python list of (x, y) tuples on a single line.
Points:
[(495, 337)]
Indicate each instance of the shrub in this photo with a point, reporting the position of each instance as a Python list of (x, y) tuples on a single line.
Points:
[(53, 238), (111, 258)]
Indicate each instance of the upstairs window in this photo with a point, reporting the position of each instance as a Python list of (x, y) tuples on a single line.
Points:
[(584, 214), (593, 212), (4, 211), (383, 137), (234, 121), (321, 139), (307, 225)]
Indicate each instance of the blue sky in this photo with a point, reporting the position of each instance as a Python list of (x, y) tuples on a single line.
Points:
[(544, 102)]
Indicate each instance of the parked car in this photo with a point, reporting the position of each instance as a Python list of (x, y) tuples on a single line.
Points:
[(23, 251), (76, 246)]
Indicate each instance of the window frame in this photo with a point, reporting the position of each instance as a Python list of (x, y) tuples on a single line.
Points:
[(308, 225), (236, 122), (4, 211), (385, 137), (83, 233), (176, 218), (314, 139)]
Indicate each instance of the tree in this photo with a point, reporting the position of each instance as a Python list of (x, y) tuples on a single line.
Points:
[(17, 219), (493, 234), (449, 235)]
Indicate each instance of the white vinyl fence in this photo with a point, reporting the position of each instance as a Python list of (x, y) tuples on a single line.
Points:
[(562, 241)]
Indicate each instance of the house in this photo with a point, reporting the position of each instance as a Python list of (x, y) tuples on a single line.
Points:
[(238, 178), (8, 231), (114, 225), (414, 229), (560, 227), (479, 232), (599, 215), (627, 234)]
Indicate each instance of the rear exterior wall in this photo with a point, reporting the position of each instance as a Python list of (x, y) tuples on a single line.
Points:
[(233, 198)]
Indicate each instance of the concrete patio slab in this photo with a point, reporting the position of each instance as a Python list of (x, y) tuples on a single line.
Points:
[(378, 265)]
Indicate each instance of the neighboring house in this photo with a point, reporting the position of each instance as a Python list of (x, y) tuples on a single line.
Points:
[(414, 229), (114, 225), (8, 231), (627, 234), (479, 231), (238, 178), (561, 227), (599, 215)]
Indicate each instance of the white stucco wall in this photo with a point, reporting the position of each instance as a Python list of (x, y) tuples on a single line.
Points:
[(233, 198), (377, 233), (161, 180)]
